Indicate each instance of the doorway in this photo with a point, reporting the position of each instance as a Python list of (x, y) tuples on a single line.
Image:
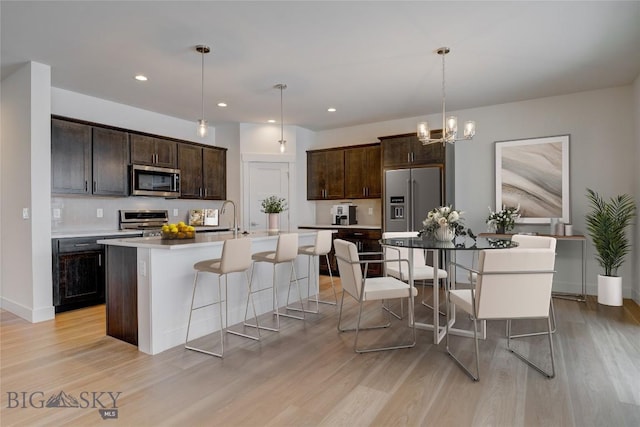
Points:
[(266, 179)]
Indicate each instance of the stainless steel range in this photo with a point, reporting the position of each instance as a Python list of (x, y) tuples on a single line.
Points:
[(150, 222)]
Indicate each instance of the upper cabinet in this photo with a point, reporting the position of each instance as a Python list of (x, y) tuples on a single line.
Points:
[(406, 150), (362, 172), (153, 151), (203, 172), (88, 160), (93, 159), (325, 174)]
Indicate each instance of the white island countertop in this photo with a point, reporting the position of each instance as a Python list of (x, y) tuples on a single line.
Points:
[(200, 240)]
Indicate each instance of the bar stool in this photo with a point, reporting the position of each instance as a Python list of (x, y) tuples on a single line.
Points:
[(286, 252), (236, 258), (322, 247)]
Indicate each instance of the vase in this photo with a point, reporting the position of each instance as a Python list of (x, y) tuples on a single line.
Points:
[(444, 234), (609, 290), (273, 219), (500, 229)]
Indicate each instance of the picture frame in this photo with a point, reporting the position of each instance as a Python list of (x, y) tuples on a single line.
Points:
[(534, 174)]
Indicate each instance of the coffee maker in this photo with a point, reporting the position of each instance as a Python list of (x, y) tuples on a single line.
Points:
[(343, 215)]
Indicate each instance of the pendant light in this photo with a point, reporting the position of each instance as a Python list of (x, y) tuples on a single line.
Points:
[(282, 142), (203, 127), (449, 124)]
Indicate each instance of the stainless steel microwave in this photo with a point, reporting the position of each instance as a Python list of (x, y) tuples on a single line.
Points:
[(154, 181)]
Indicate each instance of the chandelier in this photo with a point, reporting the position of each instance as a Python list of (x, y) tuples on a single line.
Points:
[(202, 123), (282, 142), (449, 124)]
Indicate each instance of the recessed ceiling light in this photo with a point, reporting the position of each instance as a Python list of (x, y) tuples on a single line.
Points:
[(331, 110), (141, 78), (222, 104), (271, 121)]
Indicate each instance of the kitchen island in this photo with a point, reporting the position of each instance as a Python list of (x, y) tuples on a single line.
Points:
[(150, 283)]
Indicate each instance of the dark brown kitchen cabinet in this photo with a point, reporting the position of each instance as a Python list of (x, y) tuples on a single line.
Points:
[(365, 239), (153, 151), (325, 174), (70, 157), (190, 165), (78, 273), (407, 151), (214, 173), (362, 174), (88, 160), (203, 172), (110, 153)]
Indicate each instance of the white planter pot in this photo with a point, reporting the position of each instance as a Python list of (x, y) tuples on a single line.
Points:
[(274, 220), (444, 234), (609, 290)]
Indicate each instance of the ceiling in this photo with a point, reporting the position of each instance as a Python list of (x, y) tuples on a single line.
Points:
[(372, 61)]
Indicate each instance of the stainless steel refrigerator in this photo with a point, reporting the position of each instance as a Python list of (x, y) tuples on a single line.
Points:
[(409, 194)]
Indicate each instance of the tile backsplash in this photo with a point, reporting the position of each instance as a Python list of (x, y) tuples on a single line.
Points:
[(368, 211), (70, 213)]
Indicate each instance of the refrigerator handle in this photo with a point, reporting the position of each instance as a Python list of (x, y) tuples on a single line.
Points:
[(409, 207)]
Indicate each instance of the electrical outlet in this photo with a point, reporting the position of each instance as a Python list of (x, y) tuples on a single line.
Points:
[(142, 268), (25, 213), (99, 213), (175, 212), (370, 211), (56, 213)]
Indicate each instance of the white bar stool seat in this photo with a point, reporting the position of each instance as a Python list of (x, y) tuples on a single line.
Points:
[(236, 258), (286, 252), (322, 247)]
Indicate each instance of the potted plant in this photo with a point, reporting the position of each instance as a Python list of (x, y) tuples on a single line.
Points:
[(443, 223), (272, 206), (502, 221), (606, 224)]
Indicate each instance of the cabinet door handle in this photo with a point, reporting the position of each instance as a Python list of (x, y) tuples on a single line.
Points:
[(364, 191), (408, 157), (99, 260), (95, 186), (205, 192), (78, 245)]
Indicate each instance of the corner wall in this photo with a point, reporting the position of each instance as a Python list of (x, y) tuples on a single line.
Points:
[(635, 289), (26, 283)]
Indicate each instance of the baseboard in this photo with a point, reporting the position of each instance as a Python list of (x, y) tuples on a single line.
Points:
[(31, 315)]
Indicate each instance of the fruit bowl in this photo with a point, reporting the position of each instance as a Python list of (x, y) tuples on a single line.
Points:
[(178, 231)]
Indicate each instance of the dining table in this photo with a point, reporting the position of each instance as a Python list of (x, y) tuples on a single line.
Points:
[(445, 251)]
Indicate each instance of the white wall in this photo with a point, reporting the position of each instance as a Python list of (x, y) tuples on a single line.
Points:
[(26, 283), (602, 157)]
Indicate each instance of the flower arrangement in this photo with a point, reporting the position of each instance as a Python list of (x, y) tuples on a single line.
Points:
[(504, 220), (274, 204), (443, 217)]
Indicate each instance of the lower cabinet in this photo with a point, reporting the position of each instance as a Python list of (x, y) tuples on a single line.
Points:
[(366, 240), (78, 273)]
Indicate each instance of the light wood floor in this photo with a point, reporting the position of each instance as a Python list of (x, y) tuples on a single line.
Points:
[(308, 374)]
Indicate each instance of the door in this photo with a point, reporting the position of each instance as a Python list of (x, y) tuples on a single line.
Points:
[(426, 192), (267, 179)]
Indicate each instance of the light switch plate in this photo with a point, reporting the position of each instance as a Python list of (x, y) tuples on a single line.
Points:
[(99, 213), (56, 213), (370, 211), (25, 213), (175, 212)]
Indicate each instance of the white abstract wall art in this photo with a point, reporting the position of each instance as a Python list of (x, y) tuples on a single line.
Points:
[(534, 173)]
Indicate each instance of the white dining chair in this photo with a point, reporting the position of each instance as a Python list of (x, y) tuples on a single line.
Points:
[(364, 289), (422, 271), (528, 241), (511, 284)]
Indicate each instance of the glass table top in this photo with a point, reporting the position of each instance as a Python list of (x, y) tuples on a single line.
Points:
[(460, 243)]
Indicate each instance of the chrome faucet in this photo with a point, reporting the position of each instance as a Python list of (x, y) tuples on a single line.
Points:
[(235, 216)]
